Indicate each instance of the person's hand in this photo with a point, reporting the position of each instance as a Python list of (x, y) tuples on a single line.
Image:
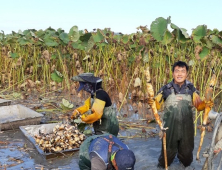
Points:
[(150, 101), (162, 131), (209, 103), (75, 114)]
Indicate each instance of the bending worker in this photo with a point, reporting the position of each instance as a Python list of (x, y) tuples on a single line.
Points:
[(178, 97), (102, 152), (102, 114)]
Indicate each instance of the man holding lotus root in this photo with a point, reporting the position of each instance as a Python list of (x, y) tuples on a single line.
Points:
[(179, 96)]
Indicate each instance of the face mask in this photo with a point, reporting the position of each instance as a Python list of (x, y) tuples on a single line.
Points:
[(88, 87)]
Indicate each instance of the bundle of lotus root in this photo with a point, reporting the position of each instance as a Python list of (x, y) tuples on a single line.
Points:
[(63, 137)]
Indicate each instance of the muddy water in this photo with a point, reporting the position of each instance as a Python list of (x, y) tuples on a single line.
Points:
[(19, 153)]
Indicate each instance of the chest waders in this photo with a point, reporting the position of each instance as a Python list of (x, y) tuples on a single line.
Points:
[(178, 117), (108, 122)]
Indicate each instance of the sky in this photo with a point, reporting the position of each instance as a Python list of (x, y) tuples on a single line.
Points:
[(120, 15)]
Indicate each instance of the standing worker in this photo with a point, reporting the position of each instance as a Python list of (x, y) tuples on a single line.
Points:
[(178, 97), (102, 113), (105, 152)]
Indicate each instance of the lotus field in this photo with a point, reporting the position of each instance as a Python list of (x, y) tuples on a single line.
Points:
[(37, 61)]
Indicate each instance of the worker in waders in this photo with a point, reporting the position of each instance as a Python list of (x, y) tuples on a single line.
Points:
[(105, 152), (98, 108), (179, 96)]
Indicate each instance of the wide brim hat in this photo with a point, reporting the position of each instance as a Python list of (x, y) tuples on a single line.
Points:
[(86, 78), (79, 77)]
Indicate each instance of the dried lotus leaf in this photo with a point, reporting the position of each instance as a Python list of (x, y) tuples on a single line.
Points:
[(120, 97), (137, 82)]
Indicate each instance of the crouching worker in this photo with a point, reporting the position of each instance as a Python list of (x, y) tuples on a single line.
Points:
[(98, 108), (105, 152)]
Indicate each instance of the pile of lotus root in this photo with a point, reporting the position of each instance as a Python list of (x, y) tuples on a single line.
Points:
[(63, 137)]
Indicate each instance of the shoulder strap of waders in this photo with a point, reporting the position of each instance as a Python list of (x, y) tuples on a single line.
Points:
[(111, 143), (187, 89), (172, 90)]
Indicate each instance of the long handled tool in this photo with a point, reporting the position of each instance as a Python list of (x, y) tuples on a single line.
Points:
[(208, 97), (154, 109)]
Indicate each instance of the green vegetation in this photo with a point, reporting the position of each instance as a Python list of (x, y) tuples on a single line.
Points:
[(46, 60)]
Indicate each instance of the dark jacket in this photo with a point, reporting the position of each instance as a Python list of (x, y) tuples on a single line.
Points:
[(186, 88)]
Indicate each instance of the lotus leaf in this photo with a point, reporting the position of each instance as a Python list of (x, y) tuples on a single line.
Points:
[(24, 41), (180, 35), (33, 34), (60, 30), (57, 76), (16, 95), (87, 132), (168, 37), (159, 27), (125, 39), (64, 37), (20, 32), (67, 104), (14, 55), (216, 40), (199, 32), (207, 42), (49, 41), (90, 44), (78, 121), (98, 36), (85, 37), (117, 38), (204, 53), (74, 34)]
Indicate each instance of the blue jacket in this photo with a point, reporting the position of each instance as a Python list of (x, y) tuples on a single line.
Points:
[(100, 147)]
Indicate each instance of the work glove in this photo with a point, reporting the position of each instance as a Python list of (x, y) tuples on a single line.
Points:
[(75, 114), (81, 109), (197, 102), (162, 131), (209, 103), (151, 101), (158, 100), (97, 112)]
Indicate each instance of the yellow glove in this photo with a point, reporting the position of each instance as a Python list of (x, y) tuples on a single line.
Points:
[(82, 109), (209, 103), (197, 102), (159, 100), (97, 112)]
